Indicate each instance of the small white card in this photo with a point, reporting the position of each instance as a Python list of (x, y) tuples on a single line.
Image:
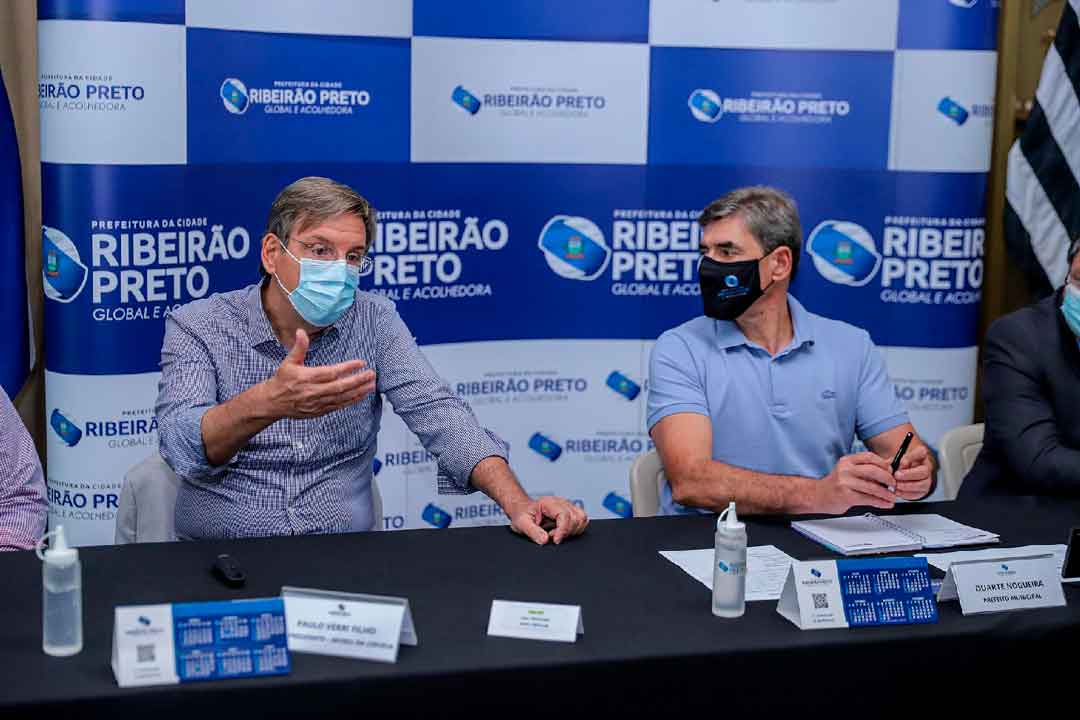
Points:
[(1000, 584), (535, 621), (369, 627), (811, 597), (143, 652)]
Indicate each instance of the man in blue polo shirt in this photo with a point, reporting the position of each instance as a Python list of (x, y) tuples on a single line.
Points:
[(759, 400)]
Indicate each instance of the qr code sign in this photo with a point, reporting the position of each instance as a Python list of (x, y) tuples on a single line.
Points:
[(821, 601), (144, 653)]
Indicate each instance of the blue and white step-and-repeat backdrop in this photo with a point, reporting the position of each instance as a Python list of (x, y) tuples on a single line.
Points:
[(538, 167)]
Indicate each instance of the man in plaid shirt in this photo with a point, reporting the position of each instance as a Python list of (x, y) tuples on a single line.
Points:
[(271, 396)]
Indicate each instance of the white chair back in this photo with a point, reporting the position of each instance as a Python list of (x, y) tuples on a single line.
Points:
[(376, 506), (958, 449), (646, 481), (147, 503)]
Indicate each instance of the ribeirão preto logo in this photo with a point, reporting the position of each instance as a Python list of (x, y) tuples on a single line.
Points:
[(844, 252), (705, 105), (466, 100), (959, 114), (234, 96), (65, 428), (923, 259), (761, 106), (292, 97), (574, 247), (62, 270)]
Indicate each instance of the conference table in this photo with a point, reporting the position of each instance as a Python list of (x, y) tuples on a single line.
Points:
[(650, 646)]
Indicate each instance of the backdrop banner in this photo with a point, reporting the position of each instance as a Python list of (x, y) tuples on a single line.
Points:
[(538, 171)]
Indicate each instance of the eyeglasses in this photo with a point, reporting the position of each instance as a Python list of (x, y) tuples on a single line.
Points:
[(360, 260)]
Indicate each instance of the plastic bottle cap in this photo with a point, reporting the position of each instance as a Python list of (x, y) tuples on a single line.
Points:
[(59, 552), (729, 519)]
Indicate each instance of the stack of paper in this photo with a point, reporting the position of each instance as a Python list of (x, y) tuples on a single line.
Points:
[(766, 569)]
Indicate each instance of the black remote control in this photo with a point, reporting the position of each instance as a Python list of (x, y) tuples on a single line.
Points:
[(228, 571)]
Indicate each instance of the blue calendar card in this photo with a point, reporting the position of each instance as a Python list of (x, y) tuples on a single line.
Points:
[(230, 639), (886, 591)]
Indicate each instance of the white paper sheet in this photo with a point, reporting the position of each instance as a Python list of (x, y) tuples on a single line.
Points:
[(942, 561), (766, 569)]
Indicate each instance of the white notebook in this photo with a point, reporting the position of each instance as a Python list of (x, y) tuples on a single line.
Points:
[(871, 534)]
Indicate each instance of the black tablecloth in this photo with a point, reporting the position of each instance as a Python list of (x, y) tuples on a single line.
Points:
[(651, 643)]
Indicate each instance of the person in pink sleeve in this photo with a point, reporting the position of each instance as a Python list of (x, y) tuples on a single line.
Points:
[(23, 509)]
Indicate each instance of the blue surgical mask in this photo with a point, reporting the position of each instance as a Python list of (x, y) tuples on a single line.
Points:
[(1070, 308), (327, 288)]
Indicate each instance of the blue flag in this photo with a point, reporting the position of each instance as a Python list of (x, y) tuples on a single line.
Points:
[(14, 348)]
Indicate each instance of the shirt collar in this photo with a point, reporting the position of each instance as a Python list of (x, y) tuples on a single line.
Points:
[(729, 335), (258, 324), (802, 321), (261, 331)]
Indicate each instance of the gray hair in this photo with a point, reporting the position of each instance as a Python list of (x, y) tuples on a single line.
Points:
[(311, 201), (770, 216)]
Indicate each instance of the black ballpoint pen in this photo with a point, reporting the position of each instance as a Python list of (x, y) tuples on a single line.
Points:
[(900, 453)]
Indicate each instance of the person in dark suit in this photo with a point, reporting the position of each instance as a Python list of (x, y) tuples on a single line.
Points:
[(1031, 393)]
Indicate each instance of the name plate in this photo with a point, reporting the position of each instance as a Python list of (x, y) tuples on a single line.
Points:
[(368, 627), (184, 642), (984, 586), (858, 593), (535, 621)]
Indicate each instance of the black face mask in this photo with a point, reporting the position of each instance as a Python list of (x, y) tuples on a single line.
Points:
[(728, 289)]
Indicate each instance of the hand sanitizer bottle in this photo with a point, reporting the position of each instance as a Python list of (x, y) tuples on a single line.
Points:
[(729, 566), (61, 613)]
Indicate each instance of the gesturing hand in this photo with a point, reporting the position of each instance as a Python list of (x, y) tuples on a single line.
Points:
[(298, 391), (532, 517)]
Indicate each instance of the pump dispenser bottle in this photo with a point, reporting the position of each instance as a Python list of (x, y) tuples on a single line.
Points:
[(729, 565), (61, 611)]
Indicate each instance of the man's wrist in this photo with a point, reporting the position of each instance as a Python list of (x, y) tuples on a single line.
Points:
[(511, 507), (260, 405), (513, 497), (494, 478), (809, 500)]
